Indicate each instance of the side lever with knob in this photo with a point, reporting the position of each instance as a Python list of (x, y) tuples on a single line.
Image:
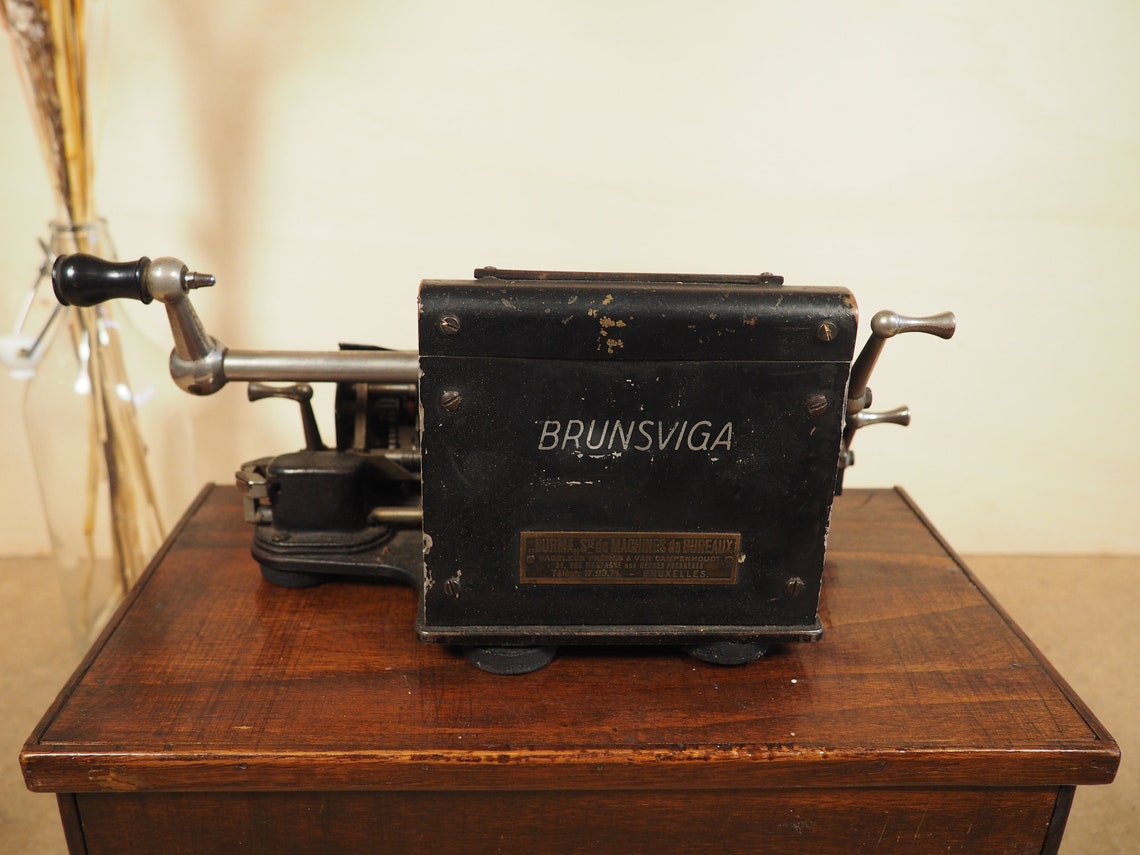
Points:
[(897, 416), (884, 325), (863, 418)]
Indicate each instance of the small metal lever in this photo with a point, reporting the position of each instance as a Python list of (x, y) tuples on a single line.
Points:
[(302, 393), (857, 421), (887, 324), (897, 416)]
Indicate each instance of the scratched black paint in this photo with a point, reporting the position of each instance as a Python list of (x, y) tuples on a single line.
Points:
[(666, 354)]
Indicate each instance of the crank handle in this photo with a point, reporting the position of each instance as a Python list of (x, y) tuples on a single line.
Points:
[(200, 364), (85, 280)]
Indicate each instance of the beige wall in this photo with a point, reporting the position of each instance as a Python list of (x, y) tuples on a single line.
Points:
[(977, 156)]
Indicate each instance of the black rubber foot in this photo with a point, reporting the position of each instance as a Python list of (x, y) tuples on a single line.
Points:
[(729, 652), (290, 579), (510, 660)]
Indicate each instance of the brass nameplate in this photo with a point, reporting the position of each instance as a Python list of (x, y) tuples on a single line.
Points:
[(628, 558)]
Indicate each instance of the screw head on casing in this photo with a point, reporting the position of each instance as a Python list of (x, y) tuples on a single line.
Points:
[(450, 400)]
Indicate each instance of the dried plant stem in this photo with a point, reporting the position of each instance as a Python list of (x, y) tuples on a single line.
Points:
[(50, 41), (137, 528)]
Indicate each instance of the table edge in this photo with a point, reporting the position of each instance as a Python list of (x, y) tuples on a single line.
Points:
[(59, 767)]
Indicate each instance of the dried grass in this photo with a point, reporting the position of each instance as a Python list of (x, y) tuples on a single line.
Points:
[(50, 41)]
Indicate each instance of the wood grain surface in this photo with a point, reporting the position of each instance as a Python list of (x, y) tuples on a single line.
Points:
[(211, 679), (571, 821), (219, 713)]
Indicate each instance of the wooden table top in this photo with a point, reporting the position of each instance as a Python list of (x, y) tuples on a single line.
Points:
[(210, 678)]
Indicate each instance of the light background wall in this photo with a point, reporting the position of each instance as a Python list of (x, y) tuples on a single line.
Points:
[(321, 159)]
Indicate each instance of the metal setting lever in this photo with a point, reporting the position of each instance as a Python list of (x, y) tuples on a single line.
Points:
[(860, 420), (887, 324), (302, 393)]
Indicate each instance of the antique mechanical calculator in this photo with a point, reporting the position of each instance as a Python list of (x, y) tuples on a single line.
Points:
[(569, 458)]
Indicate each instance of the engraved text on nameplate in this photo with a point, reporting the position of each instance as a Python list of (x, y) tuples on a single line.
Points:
[(619, 557)]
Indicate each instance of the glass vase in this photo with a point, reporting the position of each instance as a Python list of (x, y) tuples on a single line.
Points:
[(110, 442)]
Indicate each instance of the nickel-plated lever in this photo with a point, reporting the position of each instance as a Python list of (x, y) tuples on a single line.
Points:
[(887, 324), (302, 393), (862, 419)]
